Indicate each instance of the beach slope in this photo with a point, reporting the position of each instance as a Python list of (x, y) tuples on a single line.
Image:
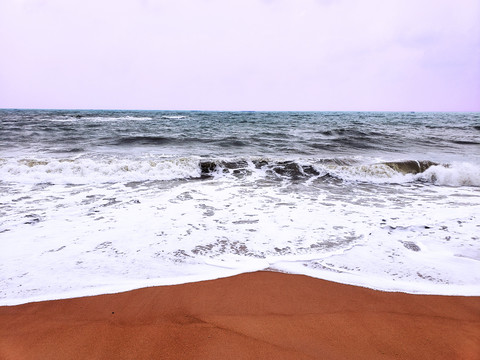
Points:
[(262, 315)]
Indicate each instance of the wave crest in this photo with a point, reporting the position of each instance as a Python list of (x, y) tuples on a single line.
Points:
[(97, 170), (463, 174), (410, 166), (84, 170)]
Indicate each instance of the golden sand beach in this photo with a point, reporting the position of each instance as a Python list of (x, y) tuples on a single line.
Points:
[(262, 315)]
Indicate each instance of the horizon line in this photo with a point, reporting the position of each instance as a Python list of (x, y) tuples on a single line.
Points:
[(205, 110)]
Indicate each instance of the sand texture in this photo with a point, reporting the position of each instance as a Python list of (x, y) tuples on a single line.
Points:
[(262, 315)]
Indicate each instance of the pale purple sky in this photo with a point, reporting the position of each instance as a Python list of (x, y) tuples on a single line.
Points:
[(383, 55)]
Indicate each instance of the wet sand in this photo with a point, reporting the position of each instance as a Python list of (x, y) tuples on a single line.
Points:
[(262, 315)]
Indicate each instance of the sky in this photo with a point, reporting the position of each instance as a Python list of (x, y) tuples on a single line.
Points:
[(298, 55)]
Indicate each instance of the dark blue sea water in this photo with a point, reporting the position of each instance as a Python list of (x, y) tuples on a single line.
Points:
[(438, 136)]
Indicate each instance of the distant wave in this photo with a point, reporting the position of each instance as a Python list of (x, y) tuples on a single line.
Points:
[(466, 142), (174, 117), (80, 117), (227, 142), (113, 118), (144, 140), (345, 132)]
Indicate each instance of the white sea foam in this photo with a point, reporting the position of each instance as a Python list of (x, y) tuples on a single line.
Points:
[(457, 174), (85, 170), (77, 118), (174, 117), (61, 241), (114, 118)]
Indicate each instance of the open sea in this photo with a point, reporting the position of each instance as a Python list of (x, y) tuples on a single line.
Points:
[(97, 202)]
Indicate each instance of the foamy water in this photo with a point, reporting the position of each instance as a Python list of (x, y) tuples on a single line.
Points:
[(145, 200)]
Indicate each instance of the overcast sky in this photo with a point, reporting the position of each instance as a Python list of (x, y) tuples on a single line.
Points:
[(411, 55)]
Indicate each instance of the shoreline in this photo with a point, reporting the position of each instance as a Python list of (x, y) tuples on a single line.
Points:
[(388, 287), (265, 315)]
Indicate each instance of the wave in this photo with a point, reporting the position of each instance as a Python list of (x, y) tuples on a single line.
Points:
[(231, 141), (410, 166), (346, 132), (463, 174), (113, 118), (144, 140), (350, 170), (465, 142), (174, 117), (401, 172), (111, 169), (85, 170), (227, 142), (80, 117)]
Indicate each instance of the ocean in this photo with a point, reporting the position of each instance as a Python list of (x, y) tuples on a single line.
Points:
[(96, 202)]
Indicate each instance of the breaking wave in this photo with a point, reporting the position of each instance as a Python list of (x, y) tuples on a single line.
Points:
[(410, 166), (84, 170), (350, 170), (97, 170), (464, 174)]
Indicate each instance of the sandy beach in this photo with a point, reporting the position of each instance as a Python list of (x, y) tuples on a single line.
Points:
[(262, 315)]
